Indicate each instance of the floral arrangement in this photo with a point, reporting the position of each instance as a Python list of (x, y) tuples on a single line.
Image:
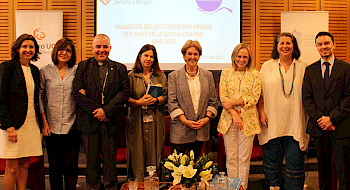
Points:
[(187, 171)]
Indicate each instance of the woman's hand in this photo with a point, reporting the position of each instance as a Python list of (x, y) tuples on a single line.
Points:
[(263, 119), (227, 104), (12, 134), (200, 123), (237, 121), (46, 129), (146, 100)]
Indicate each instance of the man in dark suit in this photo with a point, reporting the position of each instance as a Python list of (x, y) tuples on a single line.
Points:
[(101, 88), (326, 97)]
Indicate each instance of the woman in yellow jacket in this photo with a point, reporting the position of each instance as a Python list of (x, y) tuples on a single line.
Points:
[(240, 88)]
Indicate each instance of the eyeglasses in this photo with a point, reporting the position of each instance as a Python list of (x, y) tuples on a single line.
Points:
[(68, 51)]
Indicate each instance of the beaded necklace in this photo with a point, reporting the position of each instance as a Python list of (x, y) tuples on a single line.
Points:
[(282, 81)]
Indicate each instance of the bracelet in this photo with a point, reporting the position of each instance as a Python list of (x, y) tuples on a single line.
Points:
[(11, 131), (157, 101)]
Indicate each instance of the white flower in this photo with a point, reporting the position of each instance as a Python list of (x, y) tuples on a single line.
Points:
[(177, 174), (207, 165), (187, 171), (169, 165)]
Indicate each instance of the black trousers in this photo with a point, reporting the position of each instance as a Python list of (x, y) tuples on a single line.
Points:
[(100, 144), (340, 147), (63, 154), (182, 148)]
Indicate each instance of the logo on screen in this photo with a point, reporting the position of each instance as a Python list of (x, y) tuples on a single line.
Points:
[(105, 2), (39, 34), (210, 6)]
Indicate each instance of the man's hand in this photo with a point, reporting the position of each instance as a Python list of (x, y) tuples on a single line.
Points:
[(100, 114), (82, 91), (325, 123)]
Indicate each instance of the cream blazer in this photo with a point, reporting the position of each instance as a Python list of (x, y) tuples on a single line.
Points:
[(250, 92)]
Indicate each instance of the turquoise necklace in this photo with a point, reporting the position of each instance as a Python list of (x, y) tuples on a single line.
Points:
[(282, 81)]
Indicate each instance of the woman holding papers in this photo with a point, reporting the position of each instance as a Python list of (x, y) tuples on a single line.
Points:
[(240, 88), (192, 102), (146, 127)]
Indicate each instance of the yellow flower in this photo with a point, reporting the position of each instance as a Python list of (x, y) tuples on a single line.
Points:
[(169, 165), (191, 163), (192, 155), (171, 157), (207, 165), (177, 174), (205, 177), (187, 171), (183, 159)]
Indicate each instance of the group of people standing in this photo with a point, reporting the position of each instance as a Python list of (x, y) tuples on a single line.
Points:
[(283, 103)]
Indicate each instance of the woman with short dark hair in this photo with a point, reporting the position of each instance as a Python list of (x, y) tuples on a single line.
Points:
[(58, 111), (20, 136)]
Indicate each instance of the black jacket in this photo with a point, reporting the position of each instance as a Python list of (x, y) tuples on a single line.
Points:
[(117, 92), (13, 94), (338, 90)]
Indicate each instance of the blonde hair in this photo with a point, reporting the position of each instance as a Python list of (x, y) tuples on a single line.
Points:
[(235, 52)]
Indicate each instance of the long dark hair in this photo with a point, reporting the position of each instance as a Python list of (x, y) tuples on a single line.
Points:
[(16, 45), (155, 66), (60, 45), (296, 51)]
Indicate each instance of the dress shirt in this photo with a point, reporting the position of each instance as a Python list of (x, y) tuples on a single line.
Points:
[(195, 90), (55, 98), (323, 66)]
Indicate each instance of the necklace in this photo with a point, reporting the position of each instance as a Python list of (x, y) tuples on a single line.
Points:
[(282, 81), (192, 74), (240, 77)]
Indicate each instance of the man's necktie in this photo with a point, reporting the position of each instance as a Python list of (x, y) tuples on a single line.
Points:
[(326, 73)]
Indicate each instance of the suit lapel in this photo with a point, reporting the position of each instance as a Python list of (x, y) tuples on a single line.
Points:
[(111, 75), (185, 92), (334, 73), (19, 73), (204, 90), (95, 75)]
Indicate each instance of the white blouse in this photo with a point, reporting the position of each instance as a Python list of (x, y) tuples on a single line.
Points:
[(286, 115)]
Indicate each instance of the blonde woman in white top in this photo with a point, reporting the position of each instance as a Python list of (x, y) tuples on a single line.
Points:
[(240, 88), (282, 115)]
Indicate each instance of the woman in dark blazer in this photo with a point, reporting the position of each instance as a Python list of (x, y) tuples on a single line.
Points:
[(192, 102), (20, 135)]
